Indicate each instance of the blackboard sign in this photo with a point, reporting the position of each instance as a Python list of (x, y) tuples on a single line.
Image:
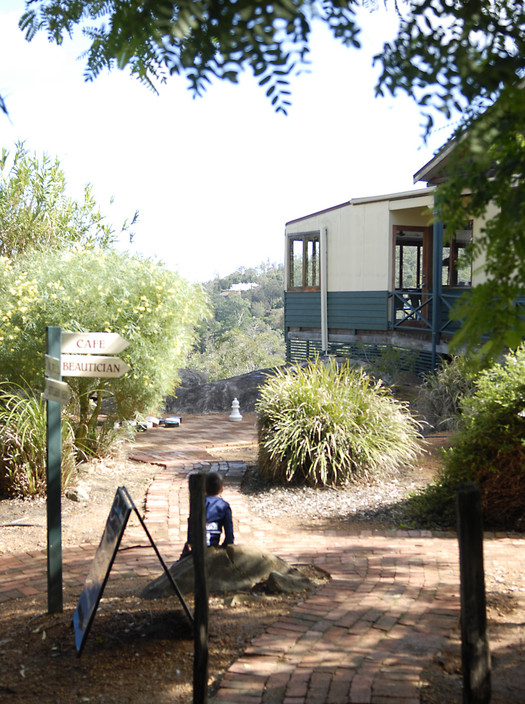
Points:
[(101, 566)]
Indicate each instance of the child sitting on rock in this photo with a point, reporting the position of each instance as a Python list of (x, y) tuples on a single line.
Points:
[(218, 515)]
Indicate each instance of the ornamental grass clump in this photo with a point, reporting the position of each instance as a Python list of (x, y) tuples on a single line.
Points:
[(23, 444), (327, 425), (442, 392)]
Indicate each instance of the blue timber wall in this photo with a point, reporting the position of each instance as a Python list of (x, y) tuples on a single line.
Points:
[(347, 310)]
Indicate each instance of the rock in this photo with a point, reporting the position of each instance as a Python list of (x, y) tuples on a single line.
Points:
[(292, 581), (192, 377), (77, 493), (216, 396), (234, 568)]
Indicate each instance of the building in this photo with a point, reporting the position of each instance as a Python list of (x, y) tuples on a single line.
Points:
[(376, 272)]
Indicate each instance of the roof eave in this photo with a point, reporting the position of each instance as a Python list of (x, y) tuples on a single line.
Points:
[(432, 171)]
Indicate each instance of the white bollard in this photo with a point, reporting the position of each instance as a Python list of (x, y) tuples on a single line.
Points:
[(235, 415)]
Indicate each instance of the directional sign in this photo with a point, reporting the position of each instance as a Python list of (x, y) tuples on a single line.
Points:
[(93, 343), (93, 365), (57, 391), (52, 367)]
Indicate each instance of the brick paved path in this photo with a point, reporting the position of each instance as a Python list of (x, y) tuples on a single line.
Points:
[(364, 637)]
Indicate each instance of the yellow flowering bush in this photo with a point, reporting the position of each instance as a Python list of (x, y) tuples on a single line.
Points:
[(98, 290)]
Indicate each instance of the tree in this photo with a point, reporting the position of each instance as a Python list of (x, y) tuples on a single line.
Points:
[(93, 289), (241, 351), (201, 40), (36, 212), (245, 329), (467, 58)]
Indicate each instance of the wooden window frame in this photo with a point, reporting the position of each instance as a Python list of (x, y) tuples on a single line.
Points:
[(308, 264)]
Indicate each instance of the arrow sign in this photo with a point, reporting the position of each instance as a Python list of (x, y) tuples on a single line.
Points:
[(57, 391), (93, 366), (52, 367), (93, 343)]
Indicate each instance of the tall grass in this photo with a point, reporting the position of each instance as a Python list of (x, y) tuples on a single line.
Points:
[(23, 443), (324, 424), (442, 392)]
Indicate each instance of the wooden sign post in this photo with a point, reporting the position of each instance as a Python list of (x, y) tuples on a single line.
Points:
[(198, 538), (475, 653)]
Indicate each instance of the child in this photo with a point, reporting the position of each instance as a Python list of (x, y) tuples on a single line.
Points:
[(218, 515)]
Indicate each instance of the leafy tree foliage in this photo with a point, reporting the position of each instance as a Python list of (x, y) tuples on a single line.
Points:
[(465, 58), (36, 212), (245, 330), (93, 289), (468, 58), (240, 352), (461, 56), (488, 449), (201, 40), (491, 159)]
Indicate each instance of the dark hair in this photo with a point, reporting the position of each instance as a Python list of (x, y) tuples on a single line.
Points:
[(214, 483)]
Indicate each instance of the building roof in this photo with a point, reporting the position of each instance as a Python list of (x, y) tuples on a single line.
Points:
[(434, 171), (416, 193)]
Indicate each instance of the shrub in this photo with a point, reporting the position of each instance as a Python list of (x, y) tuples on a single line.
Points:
[(489, 449), (443, 391), (89, 289), (23, 444), (322, 424), (390, 363)]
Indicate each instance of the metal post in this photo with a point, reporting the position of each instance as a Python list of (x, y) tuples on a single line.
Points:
[(437, 256), (54, 486), (323, 260)]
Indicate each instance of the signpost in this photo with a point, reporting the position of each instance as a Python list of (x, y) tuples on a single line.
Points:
[(93, 343), (88, 358), (54, 471), (93, 365), (52, 367), (57, 391)]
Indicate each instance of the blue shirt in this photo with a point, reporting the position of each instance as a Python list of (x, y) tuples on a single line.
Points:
[(218, 516)]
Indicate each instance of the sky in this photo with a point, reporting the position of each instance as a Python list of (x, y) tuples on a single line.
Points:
[(214, 178)]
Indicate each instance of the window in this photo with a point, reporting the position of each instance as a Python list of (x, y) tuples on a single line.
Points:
[(413, 258), (409, 260), (457, 267), (304, 261)]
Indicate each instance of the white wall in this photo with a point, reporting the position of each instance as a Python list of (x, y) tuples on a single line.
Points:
[(360, 249)]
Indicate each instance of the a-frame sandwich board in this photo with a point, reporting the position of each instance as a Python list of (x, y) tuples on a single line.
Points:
[(103, 561)]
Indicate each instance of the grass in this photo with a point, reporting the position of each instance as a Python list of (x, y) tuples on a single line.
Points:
[(327, 425), (23, 443)]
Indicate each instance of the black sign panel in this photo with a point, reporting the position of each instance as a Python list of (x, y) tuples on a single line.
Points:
[(101, 566)]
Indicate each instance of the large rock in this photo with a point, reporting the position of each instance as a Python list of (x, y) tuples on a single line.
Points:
[(192, 377), (216, 396), (233, 568)]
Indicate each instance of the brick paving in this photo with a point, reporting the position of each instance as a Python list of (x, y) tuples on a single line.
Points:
[(363, 638)]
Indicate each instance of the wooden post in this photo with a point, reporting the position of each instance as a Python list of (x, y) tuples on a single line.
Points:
[(475, 653), (198, 541)]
